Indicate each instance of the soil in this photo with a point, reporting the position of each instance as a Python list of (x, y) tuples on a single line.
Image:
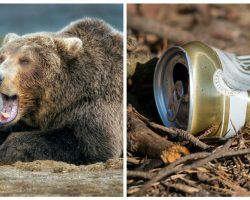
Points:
[(52, 178)]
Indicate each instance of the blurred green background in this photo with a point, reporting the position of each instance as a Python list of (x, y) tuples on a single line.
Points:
[(28, 18)]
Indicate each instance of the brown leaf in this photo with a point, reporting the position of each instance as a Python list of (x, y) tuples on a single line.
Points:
[(174, 153)]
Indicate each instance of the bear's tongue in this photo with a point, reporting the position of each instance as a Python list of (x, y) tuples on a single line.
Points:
[(8, 108)]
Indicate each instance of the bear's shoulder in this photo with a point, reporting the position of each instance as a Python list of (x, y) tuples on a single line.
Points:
[(89, 26)]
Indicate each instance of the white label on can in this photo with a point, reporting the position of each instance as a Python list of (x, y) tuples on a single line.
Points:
[(238, 103), (237, 113), (221, 86), (234, 73)]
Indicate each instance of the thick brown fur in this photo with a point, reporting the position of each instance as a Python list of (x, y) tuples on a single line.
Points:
[(69, 87)]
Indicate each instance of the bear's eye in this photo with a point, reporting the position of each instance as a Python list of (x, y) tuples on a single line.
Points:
[(1, 59), (24, 61)]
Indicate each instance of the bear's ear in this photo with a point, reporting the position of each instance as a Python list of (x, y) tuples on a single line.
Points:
[(10, 37), (71, 45)]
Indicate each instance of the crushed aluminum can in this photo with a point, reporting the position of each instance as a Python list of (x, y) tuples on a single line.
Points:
[(197, 86)]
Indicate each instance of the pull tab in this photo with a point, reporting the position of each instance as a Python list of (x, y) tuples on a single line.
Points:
[(175, 100)]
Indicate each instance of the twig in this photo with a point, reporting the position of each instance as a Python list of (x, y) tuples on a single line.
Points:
[(235, 153), (225, 191), (170, 168), (233, 126), (206, 133), (148, 175), (167, 171), (182, 187), (229, 183), (140, 139), (189, 182), (139, 174), (133, 161), (183, 134)]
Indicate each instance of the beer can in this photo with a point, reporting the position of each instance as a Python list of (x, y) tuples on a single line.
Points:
[(197, 86)]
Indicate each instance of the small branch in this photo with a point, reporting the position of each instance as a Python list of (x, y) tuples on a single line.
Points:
[(170, 167), (170, 170), (140, 174), (183, 134), (143, 141), (207, 132), (133, 161), (182, 187)]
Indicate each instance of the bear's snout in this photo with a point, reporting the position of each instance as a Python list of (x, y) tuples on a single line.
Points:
[(1, 78)]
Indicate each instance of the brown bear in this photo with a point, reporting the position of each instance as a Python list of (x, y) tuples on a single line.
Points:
[(61, 94)]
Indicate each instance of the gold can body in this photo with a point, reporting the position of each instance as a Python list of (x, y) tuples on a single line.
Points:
[(210, 101)]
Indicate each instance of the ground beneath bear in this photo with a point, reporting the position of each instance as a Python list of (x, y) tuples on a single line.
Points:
[(51, 178)]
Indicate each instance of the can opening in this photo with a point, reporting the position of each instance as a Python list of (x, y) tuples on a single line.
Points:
[(180, 72), (178, 105), (171, 88)]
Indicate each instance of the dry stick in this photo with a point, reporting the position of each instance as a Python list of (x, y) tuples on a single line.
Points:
[(182, 187), (189, 182), (173, 169), (235, 153), (224, 190), (206, 133), (148, 175), (229, 183), (142, 140), (184, 134), (223, 178), (170, 169), (146, 25), (236, 164), (140, 174), (199, 163), (233, 126), (133, 161)]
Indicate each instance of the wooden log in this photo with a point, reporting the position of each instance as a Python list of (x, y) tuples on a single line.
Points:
[(142, 141), (151, 26)]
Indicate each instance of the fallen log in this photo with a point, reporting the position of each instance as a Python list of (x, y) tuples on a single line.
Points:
[(146, 25), (143, 141)]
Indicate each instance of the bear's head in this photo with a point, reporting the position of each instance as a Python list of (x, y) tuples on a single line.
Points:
[(34, 75)]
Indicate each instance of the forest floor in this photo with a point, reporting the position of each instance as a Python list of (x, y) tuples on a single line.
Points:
[(166, 161)]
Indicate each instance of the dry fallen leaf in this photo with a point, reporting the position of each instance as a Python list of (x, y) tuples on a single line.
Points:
[(174, 153)]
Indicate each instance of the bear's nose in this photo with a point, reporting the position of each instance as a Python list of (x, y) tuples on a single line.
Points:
[(1, 79)]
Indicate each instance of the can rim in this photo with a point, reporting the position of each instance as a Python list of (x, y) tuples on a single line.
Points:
[(157, 86)]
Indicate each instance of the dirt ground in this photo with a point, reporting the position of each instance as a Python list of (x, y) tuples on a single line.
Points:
[(51, 178), (152, 29)]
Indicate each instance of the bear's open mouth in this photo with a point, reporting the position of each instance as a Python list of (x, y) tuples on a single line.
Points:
[(8, 108)]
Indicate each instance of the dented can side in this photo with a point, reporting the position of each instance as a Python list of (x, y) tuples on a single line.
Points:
[(209, 102)]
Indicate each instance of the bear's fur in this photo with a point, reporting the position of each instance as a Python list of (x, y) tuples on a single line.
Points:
[(69, 90)]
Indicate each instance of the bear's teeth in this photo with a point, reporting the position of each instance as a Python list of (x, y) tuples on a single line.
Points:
[(5, 115)]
